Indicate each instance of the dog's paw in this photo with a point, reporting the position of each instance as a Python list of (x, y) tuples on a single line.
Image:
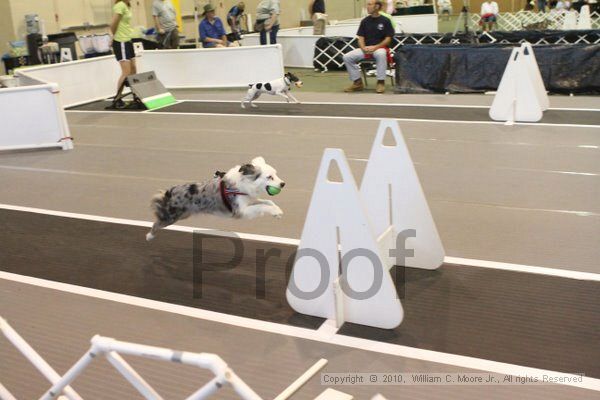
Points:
[(242, 105), (276, 211), (253, 105), (149, 236)]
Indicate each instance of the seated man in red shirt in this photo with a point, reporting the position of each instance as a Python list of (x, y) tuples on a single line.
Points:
[(375, 33)]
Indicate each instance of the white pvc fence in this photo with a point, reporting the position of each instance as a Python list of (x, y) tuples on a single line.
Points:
[(32, 117), (517, 21), (112, 349), (298, 44)]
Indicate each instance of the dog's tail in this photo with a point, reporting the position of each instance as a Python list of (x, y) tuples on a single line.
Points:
[(160, 204)]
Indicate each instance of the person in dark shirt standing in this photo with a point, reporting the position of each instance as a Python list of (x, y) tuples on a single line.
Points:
[(375, 33), (234, 19), (316, 8)]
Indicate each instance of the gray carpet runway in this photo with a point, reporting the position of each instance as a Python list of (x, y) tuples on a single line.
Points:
[(532, 320), (268, 362), (358, 111), (520, 194)]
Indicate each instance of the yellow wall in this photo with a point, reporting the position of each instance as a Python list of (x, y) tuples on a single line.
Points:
[(291, 11), (7, 32), (55, 13), (475, 5), (44, 9)]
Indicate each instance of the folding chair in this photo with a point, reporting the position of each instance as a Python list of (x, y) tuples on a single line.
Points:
[(368, 63)]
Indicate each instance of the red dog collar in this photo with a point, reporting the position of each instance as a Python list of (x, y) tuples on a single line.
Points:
[(227, 193)]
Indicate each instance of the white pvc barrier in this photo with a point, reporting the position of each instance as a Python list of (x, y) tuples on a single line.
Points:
[(112, 350), (79, 81), (341, 271), (32, 117), (35, 359), (213, 68), (298, 44)]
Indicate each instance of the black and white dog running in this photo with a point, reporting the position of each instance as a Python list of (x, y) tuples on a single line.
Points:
[(280, 87)]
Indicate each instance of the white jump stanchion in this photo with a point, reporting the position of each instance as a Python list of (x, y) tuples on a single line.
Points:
[(528, 57), (570, 21), (584, 21), (350, 239), (337, 235), (521, 95), (394, 199)]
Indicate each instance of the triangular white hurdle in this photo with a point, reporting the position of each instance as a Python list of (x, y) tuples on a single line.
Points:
[(521, 95), (584, 21), (336, 219), (394, 199), (528, 57), (345, 251), (570, 20)]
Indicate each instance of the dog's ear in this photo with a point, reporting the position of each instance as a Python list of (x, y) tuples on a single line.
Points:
[(248, 169), (258, 161)]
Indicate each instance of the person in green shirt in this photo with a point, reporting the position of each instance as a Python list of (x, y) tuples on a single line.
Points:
[(122, 46)]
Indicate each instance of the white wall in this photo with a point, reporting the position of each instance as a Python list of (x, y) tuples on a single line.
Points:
[(32, 117), (205, 68), (80, 81)]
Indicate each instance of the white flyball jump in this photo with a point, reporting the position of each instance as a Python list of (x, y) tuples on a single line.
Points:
[(521, 95), (584, 21), (348, 244)]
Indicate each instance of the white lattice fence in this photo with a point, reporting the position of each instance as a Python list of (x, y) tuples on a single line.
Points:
[(595, 17), (518, 21)]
